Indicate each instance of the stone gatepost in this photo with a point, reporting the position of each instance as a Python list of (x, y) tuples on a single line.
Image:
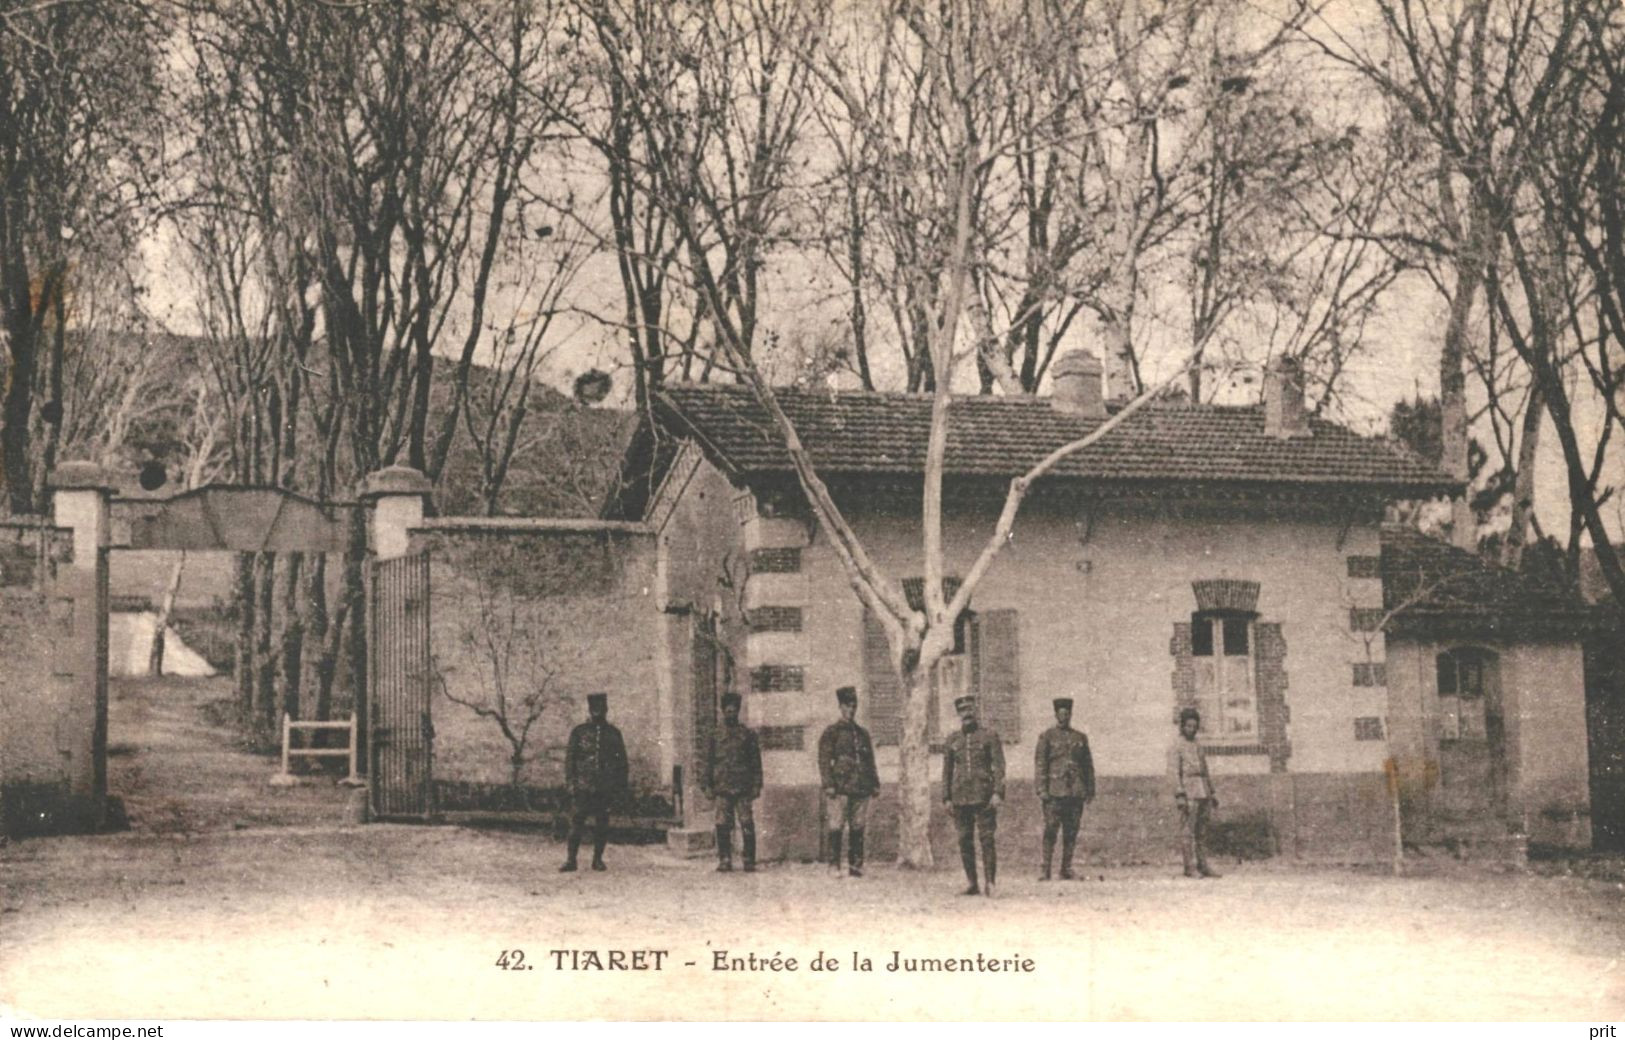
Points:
[(394, 498), (81, 497)]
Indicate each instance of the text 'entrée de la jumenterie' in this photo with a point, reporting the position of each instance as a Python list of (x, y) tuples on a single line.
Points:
[(778, 962)]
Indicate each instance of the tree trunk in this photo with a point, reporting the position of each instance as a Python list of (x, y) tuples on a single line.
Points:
[(160, 626), (1453, 434), (1523, 483), (316, 624), (292, 639), (243, 664), (19, 400), (914, 773), (265, 703)]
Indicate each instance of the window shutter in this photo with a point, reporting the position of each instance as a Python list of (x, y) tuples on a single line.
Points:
[(996, 657), (882, 691)]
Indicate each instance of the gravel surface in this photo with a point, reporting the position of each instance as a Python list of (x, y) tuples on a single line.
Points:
[(234, 911)]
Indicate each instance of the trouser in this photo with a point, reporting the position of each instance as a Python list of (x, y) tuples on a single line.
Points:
[(582, 806), (728, 808), (1061, 815), (973, 821), (847, 812), (1193, 820)]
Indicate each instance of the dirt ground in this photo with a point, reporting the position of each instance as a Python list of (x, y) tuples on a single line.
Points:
[(228, 899)]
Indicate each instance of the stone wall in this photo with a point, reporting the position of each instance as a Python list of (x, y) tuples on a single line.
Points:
[(526, 619), (1312, 817), (1546, 773), (1101, 595), (51, 781)]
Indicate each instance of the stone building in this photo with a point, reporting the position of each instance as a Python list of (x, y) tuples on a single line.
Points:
[(1486, 677), (1226, 557)]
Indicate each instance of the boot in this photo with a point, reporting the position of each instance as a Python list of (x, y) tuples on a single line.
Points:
[(967, 856), (725, 849), (748, 833), (990, 859), (1203, 869), (835, 853), (570, 855), (598, 844), (1188, 853), (1049, 856), (1066, 861), (855, 855)]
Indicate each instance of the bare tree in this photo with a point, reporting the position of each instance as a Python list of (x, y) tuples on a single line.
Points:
[(955, 49), (202, 460), (1474, 80), (78, 151)]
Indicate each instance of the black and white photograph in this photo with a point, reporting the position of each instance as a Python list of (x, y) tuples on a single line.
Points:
[(812, 510)]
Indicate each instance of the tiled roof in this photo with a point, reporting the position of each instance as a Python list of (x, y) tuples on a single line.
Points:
[(1427, 583), (992, 436)]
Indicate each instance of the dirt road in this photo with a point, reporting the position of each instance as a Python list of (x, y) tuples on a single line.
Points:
[(241, 919)]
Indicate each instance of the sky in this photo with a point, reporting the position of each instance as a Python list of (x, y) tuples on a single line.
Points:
[(1400, 359)]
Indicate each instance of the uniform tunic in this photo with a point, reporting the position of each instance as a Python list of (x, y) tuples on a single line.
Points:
[(973, 767), (1062, 765), (1187, 770), (595, 760), (846, 761), (733, 762)]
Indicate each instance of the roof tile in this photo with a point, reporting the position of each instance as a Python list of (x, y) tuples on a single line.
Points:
[(993, 436)]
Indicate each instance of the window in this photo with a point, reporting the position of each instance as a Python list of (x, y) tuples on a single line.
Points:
[(989, 666), (1462, 714), (1222, 652)]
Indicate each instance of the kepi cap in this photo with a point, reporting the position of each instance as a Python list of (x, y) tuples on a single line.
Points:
[(731, 699), (846, 695), (1063, 702), (597, 700), (967, 700)]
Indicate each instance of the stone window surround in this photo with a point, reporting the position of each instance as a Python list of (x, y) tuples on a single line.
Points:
[(1270, 680)]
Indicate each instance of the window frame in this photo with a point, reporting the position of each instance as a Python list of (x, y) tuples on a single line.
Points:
[(1456, 725), (1212, 630)]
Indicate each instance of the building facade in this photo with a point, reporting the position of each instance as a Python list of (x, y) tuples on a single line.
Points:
[(1227, 558)]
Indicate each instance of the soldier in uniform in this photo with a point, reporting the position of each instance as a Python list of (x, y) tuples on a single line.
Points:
[(973, 787), (1064, 774), (732, 776), (595, 774), (846, 768), (1193, 793)]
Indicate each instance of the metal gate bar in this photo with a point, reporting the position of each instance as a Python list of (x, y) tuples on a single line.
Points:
[(400, 731)]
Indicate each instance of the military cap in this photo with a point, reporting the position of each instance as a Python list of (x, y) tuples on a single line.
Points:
[(1063, 702), (597, 700), (847, 695), (964, 701), (1189, 713), (732, 699)]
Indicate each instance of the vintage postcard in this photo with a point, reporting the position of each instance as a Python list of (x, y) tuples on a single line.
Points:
[(786, 510)]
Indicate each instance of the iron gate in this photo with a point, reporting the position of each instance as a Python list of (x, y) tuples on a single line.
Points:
[(400, 732)]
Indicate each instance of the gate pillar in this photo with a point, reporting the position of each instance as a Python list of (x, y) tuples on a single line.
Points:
[(80, 499), (81, 495), (394, 499)]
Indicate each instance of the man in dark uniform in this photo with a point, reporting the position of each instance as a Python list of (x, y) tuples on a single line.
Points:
[(846, 768), (732, 776), (1064, 774), (973, 787), (595, 773), (1193, 794)]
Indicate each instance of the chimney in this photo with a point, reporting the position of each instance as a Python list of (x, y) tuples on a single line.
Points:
[(1284, 413), (1075, 387)]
